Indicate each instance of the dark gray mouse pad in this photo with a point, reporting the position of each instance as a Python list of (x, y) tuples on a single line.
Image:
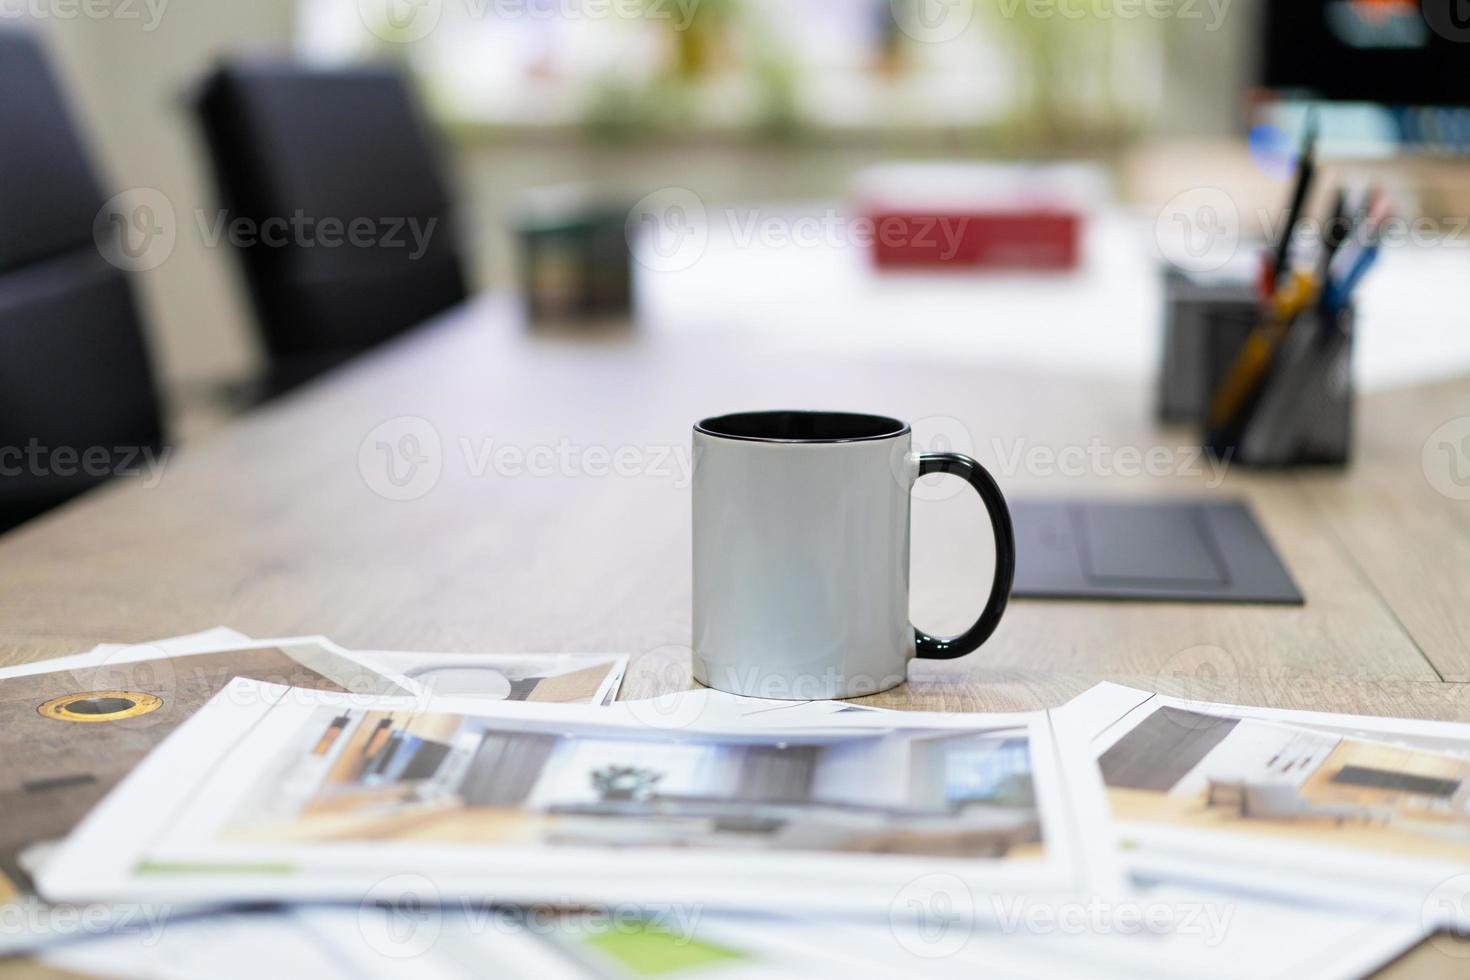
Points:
[(1186, 550)]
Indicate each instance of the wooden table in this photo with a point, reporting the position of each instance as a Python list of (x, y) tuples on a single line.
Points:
[(281, 526)]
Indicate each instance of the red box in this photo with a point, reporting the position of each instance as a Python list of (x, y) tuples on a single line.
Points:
[(977, 216), (987, 239)]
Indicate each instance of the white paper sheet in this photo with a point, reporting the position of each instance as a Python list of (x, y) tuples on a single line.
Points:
[(1160, 932), (1361, 814), (226, 792), (27, 922), (32, 922), (1239, 938), (219, 637), (505, 676)]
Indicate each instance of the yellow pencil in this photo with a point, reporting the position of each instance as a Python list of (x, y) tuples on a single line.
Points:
[(1255, 354)]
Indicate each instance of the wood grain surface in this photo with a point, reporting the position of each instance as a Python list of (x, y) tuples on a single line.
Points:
[(282, 525)]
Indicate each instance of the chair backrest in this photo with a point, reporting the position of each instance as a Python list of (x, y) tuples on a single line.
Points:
[(77, 397), (333, 178)]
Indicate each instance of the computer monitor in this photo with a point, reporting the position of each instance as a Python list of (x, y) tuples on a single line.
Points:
[(1389, 52)]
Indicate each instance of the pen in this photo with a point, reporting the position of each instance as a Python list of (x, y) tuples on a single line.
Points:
[(1337, 231), (1351, 264), (1360, 229), (1259, 347), (1306, 169), (1343, 291)]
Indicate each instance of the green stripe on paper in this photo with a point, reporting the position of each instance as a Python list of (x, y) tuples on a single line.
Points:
[(649, 951)]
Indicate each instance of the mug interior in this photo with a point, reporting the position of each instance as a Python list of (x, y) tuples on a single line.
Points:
[(802, 427)]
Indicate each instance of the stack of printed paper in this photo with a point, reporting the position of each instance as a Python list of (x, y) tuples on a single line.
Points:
[(73, 727), (454, 815)]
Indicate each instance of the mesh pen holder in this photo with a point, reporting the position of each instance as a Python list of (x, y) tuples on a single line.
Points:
[(1199, 314), (1301, 412)]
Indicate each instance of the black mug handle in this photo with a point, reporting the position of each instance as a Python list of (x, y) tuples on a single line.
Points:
[(940, 648)]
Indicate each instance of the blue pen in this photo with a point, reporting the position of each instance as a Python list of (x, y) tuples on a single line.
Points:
[(1344, 289)]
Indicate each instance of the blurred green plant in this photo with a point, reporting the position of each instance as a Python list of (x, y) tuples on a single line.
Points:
[(705, 43), (723, 61), (721, 39), (1068, 95)]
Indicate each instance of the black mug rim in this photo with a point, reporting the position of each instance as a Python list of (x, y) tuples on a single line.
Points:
[(826, 428)]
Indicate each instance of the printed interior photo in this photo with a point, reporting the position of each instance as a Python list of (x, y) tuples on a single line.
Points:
[(1398, 794), (355, 775), (67, 737), (561, 678)]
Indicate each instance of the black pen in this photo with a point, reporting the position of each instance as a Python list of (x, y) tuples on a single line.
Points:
[(1306, 168), (1337, 231), (1339, 227)]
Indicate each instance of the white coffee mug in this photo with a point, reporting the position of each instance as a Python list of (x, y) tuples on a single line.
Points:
[(801, 554)]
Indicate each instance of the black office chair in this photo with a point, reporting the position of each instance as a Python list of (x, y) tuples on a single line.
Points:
[(77, 397), (296, 144)]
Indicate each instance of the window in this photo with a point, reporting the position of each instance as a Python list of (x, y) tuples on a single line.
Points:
[(752, 64)]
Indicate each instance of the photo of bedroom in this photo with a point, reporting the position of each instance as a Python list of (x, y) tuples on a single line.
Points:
[(1378, 791), (446, 778)]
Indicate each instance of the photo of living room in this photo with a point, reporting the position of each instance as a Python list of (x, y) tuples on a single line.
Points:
[(445, 778), (1377, 791)]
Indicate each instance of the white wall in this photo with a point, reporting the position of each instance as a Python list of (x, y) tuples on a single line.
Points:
[(126, 79)]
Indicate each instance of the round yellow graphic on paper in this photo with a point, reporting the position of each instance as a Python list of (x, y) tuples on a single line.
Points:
[(98, 706)]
